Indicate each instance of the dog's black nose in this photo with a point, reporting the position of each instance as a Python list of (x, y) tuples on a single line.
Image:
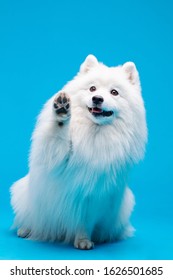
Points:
[(97, 99)]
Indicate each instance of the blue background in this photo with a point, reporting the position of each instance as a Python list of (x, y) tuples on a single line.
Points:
[(42, 44)]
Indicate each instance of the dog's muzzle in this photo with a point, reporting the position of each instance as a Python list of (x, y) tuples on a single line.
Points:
[(98, 112)]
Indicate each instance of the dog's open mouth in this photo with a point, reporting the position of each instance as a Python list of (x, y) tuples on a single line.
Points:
[(97, 112)]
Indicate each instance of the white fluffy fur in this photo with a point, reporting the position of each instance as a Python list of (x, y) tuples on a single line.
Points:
[(76, 186)]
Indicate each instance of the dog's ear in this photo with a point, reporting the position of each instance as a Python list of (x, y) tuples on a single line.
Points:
[(131, 72), (89, 62)]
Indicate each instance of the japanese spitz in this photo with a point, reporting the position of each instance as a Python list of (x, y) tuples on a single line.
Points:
[(86, 140)]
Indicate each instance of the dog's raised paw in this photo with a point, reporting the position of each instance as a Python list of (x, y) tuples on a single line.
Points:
[(61, 105), (84, 244)]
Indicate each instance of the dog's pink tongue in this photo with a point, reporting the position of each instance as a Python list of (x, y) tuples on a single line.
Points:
[(96, 110)]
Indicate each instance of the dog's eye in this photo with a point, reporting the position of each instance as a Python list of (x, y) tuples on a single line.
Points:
[(114, 92), (93, 88)]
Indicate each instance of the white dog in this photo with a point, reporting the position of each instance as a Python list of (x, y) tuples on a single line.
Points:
[(86, 139)]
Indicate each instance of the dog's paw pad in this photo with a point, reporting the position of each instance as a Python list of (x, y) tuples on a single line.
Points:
[(61, 104), (84, 244)]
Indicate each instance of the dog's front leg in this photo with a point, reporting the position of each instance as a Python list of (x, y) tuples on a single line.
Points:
[(51, 138), (83, 242)]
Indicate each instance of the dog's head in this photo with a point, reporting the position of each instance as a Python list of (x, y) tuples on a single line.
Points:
[(107, 94)]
